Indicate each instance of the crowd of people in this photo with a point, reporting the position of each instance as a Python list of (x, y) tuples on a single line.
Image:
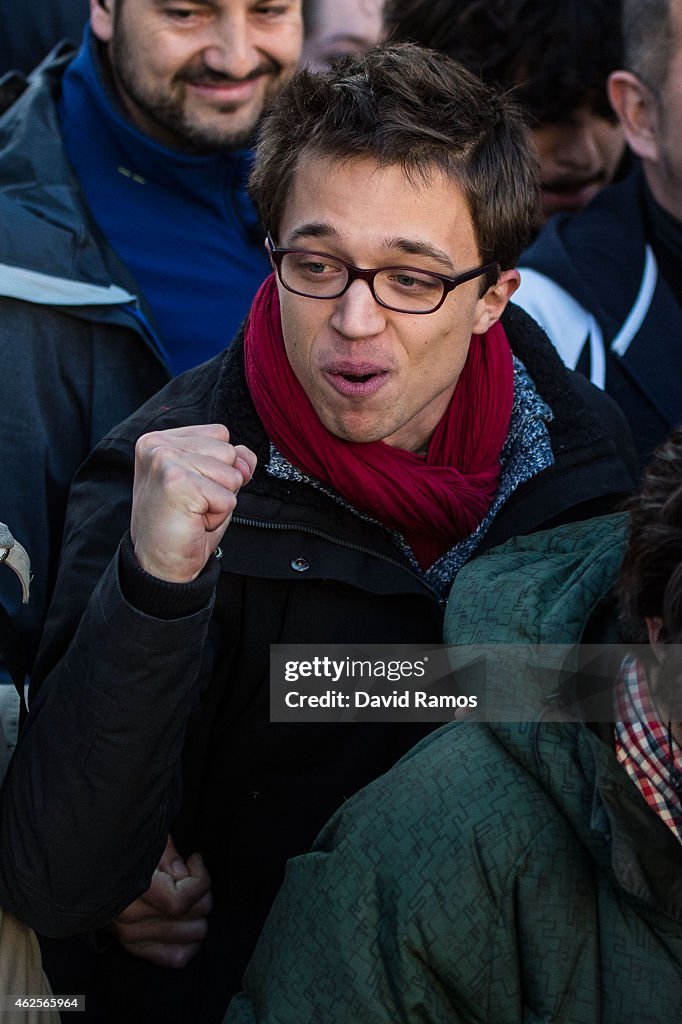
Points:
[(339, 324)]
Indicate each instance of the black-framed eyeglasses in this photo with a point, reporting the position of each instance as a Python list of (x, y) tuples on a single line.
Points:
[(317, 275)]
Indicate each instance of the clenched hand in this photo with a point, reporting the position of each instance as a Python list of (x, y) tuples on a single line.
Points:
[(185, 491), (168, 923)]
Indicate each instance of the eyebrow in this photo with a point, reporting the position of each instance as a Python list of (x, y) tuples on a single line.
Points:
[(192, 3), (315, 229), (344, 37), (409, 246), (415, 247)]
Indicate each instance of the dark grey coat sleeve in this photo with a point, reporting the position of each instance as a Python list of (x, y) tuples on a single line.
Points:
[(93, 785)]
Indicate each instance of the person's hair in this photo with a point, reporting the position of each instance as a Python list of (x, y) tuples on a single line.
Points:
[(648, 40), (555, 54), (651, 575), (407, 106)]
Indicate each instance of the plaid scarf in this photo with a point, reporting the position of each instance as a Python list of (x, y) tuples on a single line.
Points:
[(643, 746)]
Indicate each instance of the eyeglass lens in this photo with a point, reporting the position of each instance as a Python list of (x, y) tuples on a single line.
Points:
[(325, 278)]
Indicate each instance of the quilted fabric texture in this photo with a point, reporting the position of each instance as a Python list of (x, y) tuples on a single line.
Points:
[(498, 874)]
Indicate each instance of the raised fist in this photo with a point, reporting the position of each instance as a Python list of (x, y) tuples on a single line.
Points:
[(184, 494)]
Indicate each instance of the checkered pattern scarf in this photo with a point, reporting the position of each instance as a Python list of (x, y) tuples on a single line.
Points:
[(643, 746)]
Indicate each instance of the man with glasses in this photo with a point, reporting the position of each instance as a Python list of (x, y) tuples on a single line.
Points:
[(392, 417)]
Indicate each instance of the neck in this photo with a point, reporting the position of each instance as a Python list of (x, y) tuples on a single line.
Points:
[(415, 435), (668, 195)]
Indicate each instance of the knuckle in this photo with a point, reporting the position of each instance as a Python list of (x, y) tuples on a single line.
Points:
[(148, 442), (181, 956), (130, 915), (169, 904), (170, 473)]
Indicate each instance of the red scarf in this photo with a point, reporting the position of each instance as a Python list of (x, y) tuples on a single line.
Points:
[(433, 500)]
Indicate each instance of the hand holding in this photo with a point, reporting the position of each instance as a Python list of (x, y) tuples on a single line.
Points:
[(168, 923)]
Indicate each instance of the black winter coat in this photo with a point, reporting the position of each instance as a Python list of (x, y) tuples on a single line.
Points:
[(256, 793)]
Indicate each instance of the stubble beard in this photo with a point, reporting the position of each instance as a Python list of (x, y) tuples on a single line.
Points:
[(168, 110)]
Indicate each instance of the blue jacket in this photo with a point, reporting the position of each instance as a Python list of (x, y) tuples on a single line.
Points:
[(182, 222)]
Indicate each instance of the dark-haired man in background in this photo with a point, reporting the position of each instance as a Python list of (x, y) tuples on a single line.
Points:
[(339, 28), (607, 285), (555, 58)]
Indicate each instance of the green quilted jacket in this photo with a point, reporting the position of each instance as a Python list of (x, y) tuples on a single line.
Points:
[(506, 874)]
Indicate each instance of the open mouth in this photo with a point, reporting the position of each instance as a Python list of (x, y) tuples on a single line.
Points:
[(356, 381), (357, 378)]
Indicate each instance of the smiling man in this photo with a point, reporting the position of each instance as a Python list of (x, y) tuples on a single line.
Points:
[(198, 75), (130, 250), (392, 417)]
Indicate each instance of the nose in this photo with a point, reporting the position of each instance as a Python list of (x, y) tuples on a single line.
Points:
[(357, 314), (228, 48), (577, 147)]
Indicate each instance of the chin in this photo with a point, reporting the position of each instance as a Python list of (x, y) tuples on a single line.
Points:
[(356, 434)]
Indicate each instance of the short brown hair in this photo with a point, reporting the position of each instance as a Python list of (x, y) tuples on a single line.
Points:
[(408, 106)]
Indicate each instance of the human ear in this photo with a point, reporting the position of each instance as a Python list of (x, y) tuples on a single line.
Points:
[(268, 250), (637, 110), (491, 306), (101, 21)]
